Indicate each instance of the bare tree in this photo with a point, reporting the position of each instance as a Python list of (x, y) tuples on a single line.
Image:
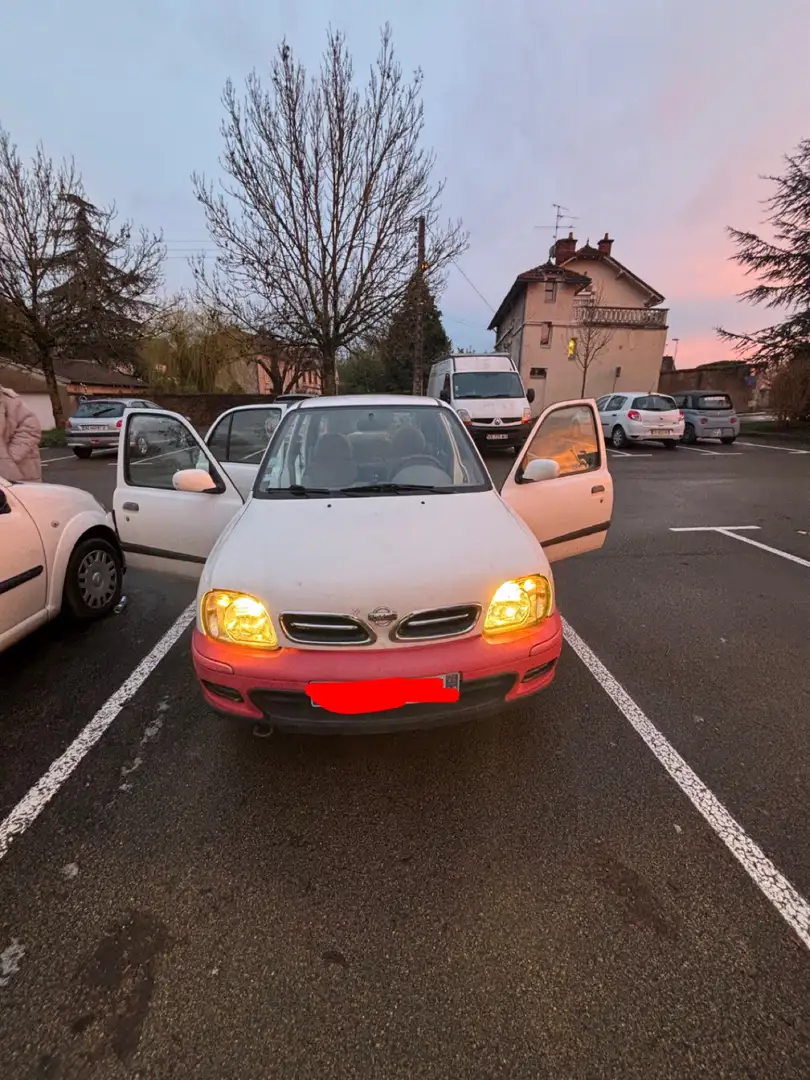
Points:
[(69, 281), (315, 223), (35, 220), (591, 335)]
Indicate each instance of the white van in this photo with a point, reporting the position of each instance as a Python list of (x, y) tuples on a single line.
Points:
[(488, 395)]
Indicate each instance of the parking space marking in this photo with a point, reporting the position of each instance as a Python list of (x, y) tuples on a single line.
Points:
[(790, 904), (50, 461), (37, 798), (732, 531), (623, 453), (764, 446)]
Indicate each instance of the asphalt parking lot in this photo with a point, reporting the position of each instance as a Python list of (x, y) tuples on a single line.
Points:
[(612, 882)]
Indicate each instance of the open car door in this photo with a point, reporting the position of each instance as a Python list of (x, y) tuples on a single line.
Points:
[(238, 439), (171, 503), (560, 484)]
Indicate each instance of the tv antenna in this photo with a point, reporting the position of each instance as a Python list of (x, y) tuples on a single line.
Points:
[(562, 216)]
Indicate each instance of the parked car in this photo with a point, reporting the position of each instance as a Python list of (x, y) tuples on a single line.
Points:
[(708, 414), (399, 579), (58, 552), (633, 416), (239, 437), (96, 424), (303, 395)]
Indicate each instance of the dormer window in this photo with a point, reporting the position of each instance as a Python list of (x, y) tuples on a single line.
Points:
[(551, 292)]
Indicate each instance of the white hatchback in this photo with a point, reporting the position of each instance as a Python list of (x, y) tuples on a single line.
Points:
[(372, 578), (633, 416)]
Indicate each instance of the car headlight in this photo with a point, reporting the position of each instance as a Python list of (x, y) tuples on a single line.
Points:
[(237, 617), (464, 416), (519, 603), (527, 416)]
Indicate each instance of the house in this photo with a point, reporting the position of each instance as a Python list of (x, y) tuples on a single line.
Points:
[(75, 379), (583, 297)]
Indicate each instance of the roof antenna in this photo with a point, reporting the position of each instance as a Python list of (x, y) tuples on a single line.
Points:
[(562, 216)]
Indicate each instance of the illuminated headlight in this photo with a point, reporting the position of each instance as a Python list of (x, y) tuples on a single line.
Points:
[(519, 604), (464, 416), (238, 618), (527, 415)]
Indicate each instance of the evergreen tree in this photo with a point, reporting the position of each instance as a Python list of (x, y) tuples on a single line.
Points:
[(105, 293), (398, 348), (782, 266)]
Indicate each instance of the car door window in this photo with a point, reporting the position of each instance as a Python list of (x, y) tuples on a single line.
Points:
[(164, 446), (568, 436), (219, 437), (615, 404), (250, 432)]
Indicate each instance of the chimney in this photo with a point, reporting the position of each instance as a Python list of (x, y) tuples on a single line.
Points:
[(565, 249), (605, 244)]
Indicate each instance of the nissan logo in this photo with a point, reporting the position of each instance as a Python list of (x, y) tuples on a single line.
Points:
[(382, 616)]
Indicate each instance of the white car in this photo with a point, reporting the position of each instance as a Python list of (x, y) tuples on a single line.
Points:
[(638, 416), (372, 578), (58, 552)]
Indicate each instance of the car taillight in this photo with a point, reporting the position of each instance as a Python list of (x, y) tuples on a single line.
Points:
[(680, 414), (67, 423), (703, 420), (633, 415), (733, 420), (120, 422)]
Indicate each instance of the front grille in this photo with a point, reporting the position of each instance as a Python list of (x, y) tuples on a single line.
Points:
[(504, 419), (293, 707), (311, 628), (438, 623)]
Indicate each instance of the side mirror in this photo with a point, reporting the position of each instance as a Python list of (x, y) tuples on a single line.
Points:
[(444, 395), (194, 480), (530, 395), (540, 469), (4, 507)]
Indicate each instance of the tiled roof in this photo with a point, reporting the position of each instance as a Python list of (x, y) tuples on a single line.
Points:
[(92, 374), (588, 252), (547, 271)]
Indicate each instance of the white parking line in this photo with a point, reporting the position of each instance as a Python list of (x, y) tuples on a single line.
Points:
[(623, 453), (34, 802), (731, 530), (764, 446), (790, 904), (66, 457)]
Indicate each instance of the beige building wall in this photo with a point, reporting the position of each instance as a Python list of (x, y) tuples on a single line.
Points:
[(638, 351)]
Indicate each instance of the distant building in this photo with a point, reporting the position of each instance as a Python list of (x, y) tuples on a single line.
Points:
[(539, 319), (75, 379)]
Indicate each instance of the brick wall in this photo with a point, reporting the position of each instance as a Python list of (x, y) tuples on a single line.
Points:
[(731, 382), (203, 409)]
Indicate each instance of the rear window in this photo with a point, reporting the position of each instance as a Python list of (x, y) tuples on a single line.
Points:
[(714, 401), (99, 408), (655, 403)]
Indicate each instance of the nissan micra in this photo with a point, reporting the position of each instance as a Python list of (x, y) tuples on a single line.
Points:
[(373, 578)]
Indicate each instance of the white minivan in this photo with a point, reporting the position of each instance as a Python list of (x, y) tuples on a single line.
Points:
[(487, 393)]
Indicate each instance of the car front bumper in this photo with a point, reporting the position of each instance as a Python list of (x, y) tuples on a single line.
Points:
[(255, 685)]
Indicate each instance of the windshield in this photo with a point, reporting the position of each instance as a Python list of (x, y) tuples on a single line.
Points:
[(487, 384), (655, 403), (715, 401), (100, 408), (351, 450)]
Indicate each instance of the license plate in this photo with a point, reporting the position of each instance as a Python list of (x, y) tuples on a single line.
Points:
[(381, 695), (660, 431), (94, 427), (724, 433), (497, 436)]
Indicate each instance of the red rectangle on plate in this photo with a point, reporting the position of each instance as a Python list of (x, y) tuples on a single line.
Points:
[(379, 695)]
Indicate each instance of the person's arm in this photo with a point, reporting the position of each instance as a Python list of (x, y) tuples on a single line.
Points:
[(26, 437)]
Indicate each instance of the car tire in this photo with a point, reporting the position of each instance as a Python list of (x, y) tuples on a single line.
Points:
[(82, 452), (728, 442), (689, 436), (670, 444), (94, 579), (142, 446), (618, 438)]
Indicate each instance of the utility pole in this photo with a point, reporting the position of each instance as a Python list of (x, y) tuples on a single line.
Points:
[(421, 266)]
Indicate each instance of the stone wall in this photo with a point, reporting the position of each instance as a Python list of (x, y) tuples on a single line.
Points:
[(731, 379)]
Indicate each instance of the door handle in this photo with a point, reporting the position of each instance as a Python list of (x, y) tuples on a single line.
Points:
[(131, 506), (598, 489)]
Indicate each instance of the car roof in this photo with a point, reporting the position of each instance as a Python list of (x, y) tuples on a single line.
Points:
[(637, 393), (331, 402)]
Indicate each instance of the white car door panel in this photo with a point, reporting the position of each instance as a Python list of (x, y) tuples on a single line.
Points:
[(159, 527), (569, 514), (23, 573), (238, 439)]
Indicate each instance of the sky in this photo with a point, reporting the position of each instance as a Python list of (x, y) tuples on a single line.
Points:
[(653, 120)]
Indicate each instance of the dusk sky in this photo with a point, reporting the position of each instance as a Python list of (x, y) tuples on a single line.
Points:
[(651, 119)]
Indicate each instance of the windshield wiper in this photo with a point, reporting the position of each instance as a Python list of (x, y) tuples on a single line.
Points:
[(387, 488), (299, 489)]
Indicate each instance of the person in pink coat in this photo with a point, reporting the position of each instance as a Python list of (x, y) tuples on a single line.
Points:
[(20, 432)]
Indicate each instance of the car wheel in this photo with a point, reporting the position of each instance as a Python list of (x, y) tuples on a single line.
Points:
[(728, 442), (618, 437), (94, 579), (142, 446), (82, 451), (689, 436), (670, 444)]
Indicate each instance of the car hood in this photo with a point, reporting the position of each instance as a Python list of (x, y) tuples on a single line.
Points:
[(352, 555), (491, 407), (55, 498)]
